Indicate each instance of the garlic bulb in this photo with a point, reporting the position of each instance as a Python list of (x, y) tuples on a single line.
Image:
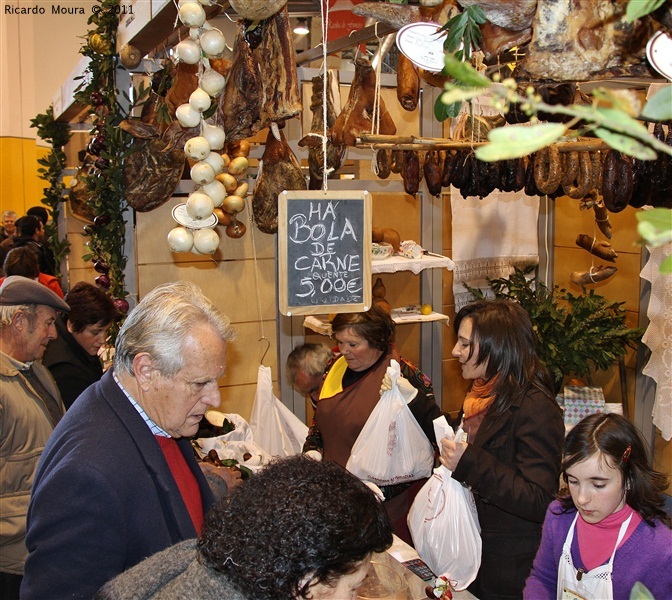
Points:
[(212, 82), (216, 190), (213, 42), (197, 148), (216, 161), (215, 136), (192, 14), (200, 100), (189, 51), (206, 241), (202, 173), (199, 206), (187, 116), (180, 239)]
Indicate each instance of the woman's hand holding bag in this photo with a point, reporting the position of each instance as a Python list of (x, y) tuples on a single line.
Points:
[(444, 523), (391, 447)]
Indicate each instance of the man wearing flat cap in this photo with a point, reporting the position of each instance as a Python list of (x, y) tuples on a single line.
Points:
[(30, 408)]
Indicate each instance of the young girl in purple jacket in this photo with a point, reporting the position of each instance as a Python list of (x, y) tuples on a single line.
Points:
[(610, 531)]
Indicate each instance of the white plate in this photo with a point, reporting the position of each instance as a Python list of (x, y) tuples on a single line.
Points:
[(659, 53), (181, 215), (422, 44)]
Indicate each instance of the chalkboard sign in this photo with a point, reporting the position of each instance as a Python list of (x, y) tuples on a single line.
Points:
[(324, 252)]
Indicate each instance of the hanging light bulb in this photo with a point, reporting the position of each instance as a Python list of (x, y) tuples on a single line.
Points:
[(301, 27)]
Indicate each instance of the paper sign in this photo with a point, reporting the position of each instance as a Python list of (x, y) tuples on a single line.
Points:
[(422, 44)]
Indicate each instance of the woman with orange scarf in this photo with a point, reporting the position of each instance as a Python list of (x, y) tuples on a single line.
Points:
[(511, 459)]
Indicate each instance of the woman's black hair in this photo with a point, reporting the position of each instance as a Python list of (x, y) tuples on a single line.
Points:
[(507, 344), (375, 326), (295, 523), (616, 441), (89, 305)]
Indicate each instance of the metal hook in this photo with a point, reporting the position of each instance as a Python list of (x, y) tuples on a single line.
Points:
[(268, 347)]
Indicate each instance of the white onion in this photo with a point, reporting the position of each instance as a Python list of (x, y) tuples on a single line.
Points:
[(216, 190), (200, 100), (215, 136), (212, 82), (202, 173), (197, 148), (212, 42), (206, 241), (189, 51), (216, 161), (194, 33), (187, 116), (180, 239), (192, 14), (199, 205)]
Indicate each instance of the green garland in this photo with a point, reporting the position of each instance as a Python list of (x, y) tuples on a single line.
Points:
[(109, 144), (58, 135)]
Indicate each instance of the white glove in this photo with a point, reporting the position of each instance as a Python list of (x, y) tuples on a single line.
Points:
[(408, 392), (314, 454)]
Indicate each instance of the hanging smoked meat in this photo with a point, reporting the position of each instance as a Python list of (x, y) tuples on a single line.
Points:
[(316, 155), (356, 116), (279, 170), (154, 168), (262, 86)]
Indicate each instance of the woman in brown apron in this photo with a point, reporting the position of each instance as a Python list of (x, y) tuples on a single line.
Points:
[(351, 389)]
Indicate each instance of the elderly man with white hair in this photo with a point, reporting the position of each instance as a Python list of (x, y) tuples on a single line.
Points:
[(118, 480)]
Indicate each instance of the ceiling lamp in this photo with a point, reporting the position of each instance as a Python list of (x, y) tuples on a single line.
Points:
[(301, 27)]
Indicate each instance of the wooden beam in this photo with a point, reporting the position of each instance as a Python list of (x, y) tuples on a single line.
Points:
[(346, 42)]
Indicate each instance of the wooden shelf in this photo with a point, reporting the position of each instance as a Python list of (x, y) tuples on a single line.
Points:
[(393, 264), (320, 323)]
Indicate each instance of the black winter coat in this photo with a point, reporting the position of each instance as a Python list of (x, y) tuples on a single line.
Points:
[(513, 469)]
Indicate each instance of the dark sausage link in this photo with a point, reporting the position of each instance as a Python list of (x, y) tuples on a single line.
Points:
[(584, 180), (547, 171), (570, 168), (609, 179), (530, 185), (411, 173), (384, 162), (397, 165), (432, 172), (448, 166)]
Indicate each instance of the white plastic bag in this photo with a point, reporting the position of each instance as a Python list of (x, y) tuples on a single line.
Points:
[(444, 524), (275, 428), (391, 447), (242, 431), (237, 449)]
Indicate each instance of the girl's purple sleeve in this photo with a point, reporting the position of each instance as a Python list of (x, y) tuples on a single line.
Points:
[(542, 582)]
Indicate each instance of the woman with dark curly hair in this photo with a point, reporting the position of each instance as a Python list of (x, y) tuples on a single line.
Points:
[(296, 529), (72, 358), (610, 530)]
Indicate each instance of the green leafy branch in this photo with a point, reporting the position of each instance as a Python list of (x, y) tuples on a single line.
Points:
[(108, 145), (575, 333), (52, 166)]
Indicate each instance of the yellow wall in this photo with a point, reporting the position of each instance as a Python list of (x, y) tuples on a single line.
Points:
[(20, 185)]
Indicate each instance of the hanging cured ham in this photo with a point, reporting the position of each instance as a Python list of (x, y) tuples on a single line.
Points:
[(356, 117), (580, 41), (153, 170), (262, 86), (279, 170)]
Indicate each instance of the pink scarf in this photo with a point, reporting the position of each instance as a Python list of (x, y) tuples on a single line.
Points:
[(597, 541)]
